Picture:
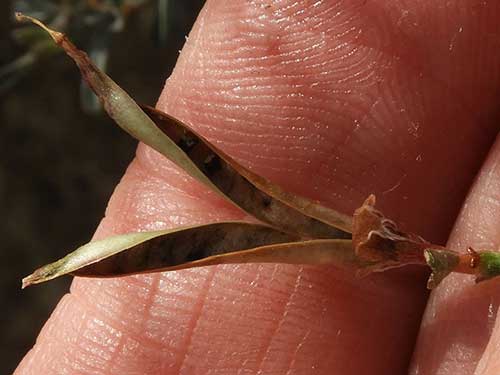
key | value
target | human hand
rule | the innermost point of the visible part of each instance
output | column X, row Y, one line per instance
column 334, row 101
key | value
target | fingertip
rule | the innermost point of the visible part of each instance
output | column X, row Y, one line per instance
column 457, row 331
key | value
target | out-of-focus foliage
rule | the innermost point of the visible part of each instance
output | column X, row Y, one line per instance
column 90, row 23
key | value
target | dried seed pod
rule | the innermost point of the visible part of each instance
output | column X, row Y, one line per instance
column 298, row 230
column 255, row 194
column 249, row 191
column 218, row 243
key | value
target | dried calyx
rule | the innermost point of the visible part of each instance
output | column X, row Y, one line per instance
column 294, row 229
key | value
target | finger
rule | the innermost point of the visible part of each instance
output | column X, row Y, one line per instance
column 458, row 333
column 333, row 101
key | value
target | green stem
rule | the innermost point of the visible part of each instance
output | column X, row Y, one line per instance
column 484, row 265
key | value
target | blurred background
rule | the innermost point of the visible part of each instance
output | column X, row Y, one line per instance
column 61, row 156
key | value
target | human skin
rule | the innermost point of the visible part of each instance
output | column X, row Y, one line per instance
column 333, row 100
